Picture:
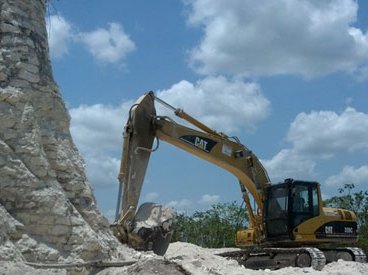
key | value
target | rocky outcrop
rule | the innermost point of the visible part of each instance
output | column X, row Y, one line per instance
column 47, row 210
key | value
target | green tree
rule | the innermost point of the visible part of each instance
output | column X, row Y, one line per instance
column 215, row 227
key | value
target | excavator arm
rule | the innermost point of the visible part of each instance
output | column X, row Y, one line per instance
column 150, row 226
column 154, row 222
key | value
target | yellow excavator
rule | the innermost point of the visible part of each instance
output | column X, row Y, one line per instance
column 288, row 225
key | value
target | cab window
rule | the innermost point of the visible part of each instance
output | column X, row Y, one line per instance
column 300, row 199
column 315, row 201
column 304, row 203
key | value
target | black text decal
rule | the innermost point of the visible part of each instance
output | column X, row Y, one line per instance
column 202, row 143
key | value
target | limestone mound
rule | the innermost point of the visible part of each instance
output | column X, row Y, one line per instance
column 47, row 210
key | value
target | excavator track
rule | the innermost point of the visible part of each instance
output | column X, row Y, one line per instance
column 345, row 253
column 359, row 255
column 275, row 258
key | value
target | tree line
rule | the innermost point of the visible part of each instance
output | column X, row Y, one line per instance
column 212, row 228
column 217, row 226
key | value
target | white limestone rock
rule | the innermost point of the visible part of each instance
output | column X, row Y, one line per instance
column 47, row 210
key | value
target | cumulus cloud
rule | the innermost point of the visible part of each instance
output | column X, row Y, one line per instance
column 181, row 205
column 60, row 34
column 318, row 135
column 225, row 105
column 106, row 45
column 98, row 128
column 97, row 132
column 209, row 199
column 348, row 175
column 109, row 45
column 308, row 38
column 288, row 163
column 326, row 133
column 102, row 170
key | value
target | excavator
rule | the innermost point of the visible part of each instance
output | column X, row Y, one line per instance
column 288, row 225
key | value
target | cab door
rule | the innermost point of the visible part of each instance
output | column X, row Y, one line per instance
column 276, row 215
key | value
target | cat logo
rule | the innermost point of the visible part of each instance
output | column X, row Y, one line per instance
column 329, row 229
column 201, row 143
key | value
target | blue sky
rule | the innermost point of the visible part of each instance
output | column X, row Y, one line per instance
column 289, row 78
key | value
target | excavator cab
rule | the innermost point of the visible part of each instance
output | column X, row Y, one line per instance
column 294, row 214
column 289, row 204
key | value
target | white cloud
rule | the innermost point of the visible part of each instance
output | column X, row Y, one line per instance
column 97, row 132
column 225, row 105
column 181, row 205
column 326, row 133
column 308, row 38
column 60, row 34
column 102, row 170
column 318, row 135
column 348, row 175
column 289, row 164
column 109, row 45
column 98, row 128
column 209, row 199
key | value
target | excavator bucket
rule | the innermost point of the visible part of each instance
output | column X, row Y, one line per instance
column 154, row 224
column 149, row 228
